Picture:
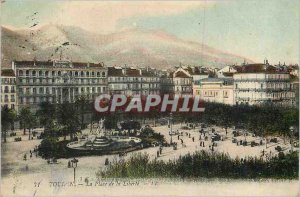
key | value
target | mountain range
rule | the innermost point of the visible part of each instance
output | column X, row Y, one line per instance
column 133, row 47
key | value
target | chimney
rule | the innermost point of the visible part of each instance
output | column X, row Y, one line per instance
column 13, row 67
column 267, row 62
column 124, row 70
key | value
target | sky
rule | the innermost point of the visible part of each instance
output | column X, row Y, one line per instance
column 254, row 29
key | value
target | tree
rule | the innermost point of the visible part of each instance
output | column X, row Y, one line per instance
column 8, row 116
column 68, row 118
column 24, row 117
column 81, row 104
column 31, row 123
column 46, row 115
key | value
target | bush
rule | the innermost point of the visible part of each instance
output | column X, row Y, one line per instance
column 205, row 164
column 148, row 136
column 50, row 147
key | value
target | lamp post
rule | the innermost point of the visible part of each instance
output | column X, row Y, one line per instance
column 74, row 166
column 292, row 130
column 170, row 122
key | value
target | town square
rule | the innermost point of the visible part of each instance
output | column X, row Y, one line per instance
column 150, row 98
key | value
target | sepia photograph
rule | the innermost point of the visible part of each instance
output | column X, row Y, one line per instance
column 150, row 98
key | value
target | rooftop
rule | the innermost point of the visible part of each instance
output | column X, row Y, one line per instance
column 260, row 68
column 53, row 63
column 7, row 73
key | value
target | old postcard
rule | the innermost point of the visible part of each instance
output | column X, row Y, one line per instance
column 150, row 98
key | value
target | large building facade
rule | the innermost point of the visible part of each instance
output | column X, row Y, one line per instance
column 8, row 89
column 259, row 84
column 58, row 81
column 133, row 81
column 182, row 81
column 218, row 90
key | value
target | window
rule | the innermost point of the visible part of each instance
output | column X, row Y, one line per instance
column 6, row 98
column 103, row 74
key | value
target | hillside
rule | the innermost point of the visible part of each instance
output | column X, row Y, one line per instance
column 133, row 47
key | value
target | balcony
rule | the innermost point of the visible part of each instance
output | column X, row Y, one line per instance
column 262, row 89
column 261, row 80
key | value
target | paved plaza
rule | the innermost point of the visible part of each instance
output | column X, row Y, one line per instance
column 19, row 174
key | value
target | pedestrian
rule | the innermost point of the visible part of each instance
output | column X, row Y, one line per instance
column 157, row 153
column 25, row 157
column 193, row 139
column 106, row 162
column 160, row 150
column 69, row 164
column 189, row 135
column 30, row 151
column 203, row 144
column 30, row 155
column 178, row 137
column 212, row 149
column 181, row 141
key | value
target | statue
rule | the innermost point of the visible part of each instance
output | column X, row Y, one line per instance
column 100, row 128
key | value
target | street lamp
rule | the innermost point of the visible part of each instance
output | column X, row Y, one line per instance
column 292, row 130
column 74, row 165
column 170, row 122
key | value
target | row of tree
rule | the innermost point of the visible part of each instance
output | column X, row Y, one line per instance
column 56, row 119
column 262, row 120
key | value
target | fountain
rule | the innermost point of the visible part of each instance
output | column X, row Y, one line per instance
column 100, row 143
